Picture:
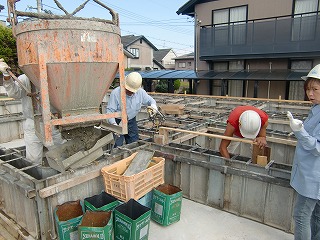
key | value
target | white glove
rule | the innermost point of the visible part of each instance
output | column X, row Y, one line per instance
column 152, row 110
column 295, row 124
column 154, row 107
column 116, row 124
column 4, row 67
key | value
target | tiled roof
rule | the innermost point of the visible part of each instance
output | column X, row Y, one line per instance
column 130, row 39
column 160, row 54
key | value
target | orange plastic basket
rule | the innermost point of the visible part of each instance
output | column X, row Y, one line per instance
column 136, row 186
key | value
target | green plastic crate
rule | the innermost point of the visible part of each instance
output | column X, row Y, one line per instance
column 131, row 221
column 97, row 225
column 166, row 204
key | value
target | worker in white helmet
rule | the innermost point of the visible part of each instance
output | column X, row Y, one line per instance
column 136, row 97
column 244, row 122
column 305, row 173
column 34, row 145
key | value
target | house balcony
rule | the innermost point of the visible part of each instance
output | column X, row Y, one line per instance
column 281, row 37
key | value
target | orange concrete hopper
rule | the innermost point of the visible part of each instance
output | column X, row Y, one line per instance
column 72, row 62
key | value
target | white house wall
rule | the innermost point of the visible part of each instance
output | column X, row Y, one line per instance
column 146, row 56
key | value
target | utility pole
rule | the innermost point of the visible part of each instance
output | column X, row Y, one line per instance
column 39, row 6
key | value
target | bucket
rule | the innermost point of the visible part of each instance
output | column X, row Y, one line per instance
column 131, row 221
column 68, row 216
column 96, row 225
column 166, row 204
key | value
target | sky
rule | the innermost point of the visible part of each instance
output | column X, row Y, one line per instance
column 156, row 20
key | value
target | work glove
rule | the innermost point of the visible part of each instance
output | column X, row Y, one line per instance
column 4, row 67
column 120, row 124
column 152, row 110
column 295, row 124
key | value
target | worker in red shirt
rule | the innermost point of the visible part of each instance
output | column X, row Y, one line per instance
column 244, row 122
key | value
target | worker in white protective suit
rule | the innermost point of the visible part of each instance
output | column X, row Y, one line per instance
column 136, row 97
column 34, row 145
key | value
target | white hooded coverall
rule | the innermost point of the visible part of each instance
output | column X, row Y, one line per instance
column 34, row 145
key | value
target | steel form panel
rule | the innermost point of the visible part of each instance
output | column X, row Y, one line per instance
column 236, row 186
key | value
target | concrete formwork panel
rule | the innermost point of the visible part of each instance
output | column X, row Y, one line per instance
column 216, row 190
column 11, row 128
column 29, row 193
column 199, row 184
column 279, row 207
column 236, row 186
column 10, row 107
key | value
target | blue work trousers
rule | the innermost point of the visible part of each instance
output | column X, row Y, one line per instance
column 307, row 218
column 132, row 136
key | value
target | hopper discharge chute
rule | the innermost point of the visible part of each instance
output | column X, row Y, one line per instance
column 71, row 62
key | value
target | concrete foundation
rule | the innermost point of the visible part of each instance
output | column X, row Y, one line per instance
column 233, row 190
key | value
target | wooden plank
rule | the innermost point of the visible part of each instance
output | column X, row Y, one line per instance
column 164, row 134
column 175, row 100
column 6, row 98
column 187, row 137
column 262, row 160
column 59, row 187
column 11, row 230
column 256, row 151
column 172, row 109
column 285, row 141
column 199, row 102
column 159, row 139
column 207, row 135
column 139, row 163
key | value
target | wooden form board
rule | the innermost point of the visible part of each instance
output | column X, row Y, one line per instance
column 256, row 151
column 172, row 109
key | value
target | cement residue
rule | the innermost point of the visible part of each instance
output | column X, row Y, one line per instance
column 69, row 210
column 96, row 219
column 83, row 139
column 168, row 189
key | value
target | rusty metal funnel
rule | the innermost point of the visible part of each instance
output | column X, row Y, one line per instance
column 79, row 59
column 75, row 88
column 72, row 62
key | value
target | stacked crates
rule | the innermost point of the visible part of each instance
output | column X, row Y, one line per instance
column 125, row 208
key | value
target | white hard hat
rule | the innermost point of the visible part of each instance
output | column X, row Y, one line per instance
column 133, row 82
column 314, row 73
column 249, row 124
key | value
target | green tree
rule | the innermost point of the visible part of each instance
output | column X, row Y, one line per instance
column 8, row 48
column 162, row 86
column 177, row 84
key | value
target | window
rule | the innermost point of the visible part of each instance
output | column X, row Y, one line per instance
column 305, row 18
column 301, row 64
column 189, row 64
column 182, row 65
column 230, row 23
column 135, row 52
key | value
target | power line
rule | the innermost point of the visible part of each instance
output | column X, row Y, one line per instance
column 167, row 24
column 173, row 25
column 188, row 48
column 143, row 19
